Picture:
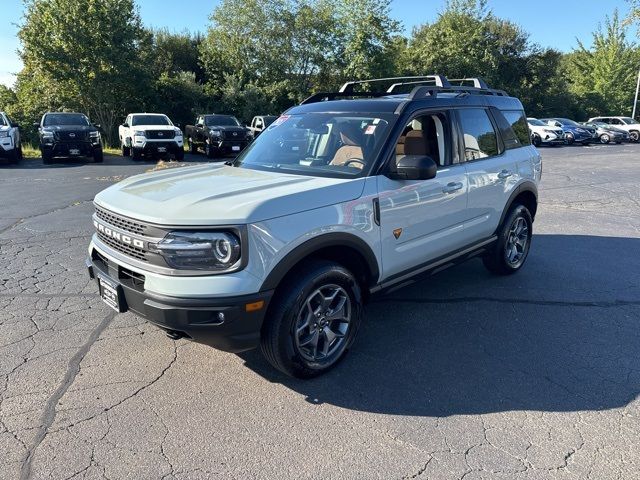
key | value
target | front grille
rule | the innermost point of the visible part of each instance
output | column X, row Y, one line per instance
column 129, row 250
column 121, row 222
column 72, row 136
column 231, row 136
column 160, row 134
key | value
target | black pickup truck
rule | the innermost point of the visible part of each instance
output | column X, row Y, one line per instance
column 217, row 135
column 63, row 134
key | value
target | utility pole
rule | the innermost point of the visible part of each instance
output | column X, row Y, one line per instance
column 635, row 103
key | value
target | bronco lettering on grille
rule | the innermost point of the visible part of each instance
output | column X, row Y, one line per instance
column 120, row 237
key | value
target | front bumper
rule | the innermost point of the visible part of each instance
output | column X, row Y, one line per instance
column 64, row 149
column 6, row 145
column 230, row 146
column 198, row 319
column 155, row 147
column 579, row 137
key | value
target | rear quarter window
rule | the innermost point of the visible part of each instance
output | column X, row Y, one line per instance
column 518, row 126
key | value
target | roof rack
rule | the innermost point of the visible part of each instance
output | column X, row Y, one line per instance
column 434, row 84
column 439, row 80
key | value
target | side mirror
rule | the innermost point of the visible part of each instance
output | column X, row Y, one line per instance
column 415, row 167
column 16, row 125
column 124, row 125
column 97, row 125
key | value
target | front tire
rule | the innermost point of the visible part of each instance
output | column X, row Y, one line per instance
column 13, row 156
column 179, row 154
column 193, row 148
column 313, row 320
column 209, row 151
column 511, row 250
column 537, row 140
column 570, row 139
column 634, row 136
column 98, row 156
column 47, row 157
column 604, row 138
column 126, row 151
column 136, row 153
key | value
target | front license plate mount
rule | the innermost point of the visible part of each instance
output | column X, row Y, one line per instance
column 111, row 294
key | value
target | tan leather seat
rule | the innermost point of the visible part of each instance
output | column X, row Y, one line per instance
column 350, row 136
column 416, row 143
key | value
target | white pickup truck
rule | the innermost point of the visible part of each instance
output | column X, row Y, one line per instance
column 10, row 145
column 151, row 135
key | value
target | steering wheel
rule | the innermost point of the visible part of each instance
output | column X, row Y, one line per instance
column 354, row 160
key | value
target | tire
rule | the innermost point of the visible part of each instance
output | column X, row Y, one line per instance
column 98, row 156
column 634, row 136
column 209, row 151
column 47, row 158
column 537, row 141
column 136, row 153
column 126, row 151
column 180, row 154
column 570, row 139
column 291, row 333
column 13, row 156
column 604, row 138
column 499, row 259
column 20, row 154
column 193, row 148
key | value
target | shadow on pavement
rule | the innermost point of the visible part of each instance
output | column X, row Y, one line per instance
column 562, row 335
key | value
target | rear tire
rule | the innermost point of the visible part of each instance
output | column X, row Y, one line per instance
column 313, row 319
column 510, row 252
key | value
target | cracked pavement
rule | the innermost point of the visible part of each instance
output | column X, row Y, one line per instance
column 462, row 375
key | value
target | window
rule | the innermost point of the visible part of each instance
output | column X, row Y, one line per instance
column 333, row 145
column 480, row 139
column 518, row 127
column 424, row 136
column 150, row 120
column 221, row 121
column 200, row 121
column 2, row 122
column 54, row 119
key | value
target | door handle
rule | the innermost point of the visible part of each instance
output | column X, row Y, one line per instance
column 452, row 187
column 505, row 174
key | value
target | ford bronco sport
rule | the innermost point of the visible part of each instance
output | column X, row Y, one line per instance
column 349, row 194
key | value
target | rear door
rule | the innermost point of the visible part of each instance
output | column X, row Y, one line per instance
column 491, row 168
column 421, row 220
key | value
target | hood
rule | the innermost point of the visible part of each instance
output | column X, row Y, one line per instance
column 222, row 195
column 71, row 128
column 228, row 128
column 164, row 128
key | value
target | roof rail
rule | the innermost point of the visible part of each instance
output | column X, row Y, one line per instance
column 421, row 92
column 326, row 96
column 439, row 80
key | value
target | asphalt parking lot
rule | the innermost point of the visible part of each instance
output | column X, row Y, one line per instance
column 464, row 375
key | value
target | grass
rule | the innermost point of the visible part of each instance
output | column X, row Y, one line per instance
column 30, row 152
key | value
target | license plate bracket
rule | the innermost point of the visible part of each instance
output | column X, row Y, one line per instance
column 74, row 151
column 112, row 294
column 235, row 148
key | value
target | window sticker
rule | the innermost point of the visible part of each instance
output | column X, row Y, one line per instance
column 370, row 130
column 279, row 121
column 376, row 121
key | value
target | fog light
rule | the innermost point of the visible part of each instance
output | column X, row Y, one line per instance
column 255, row 306
column 220, row 317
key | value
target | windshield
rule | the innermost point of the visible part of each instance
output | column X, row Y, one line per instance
column 53, row 119
column 2, row 122
column 318, row 144
column 268, row 120
column 537, row 123
column 150, row 120
column 221, row 121
column 630, row 121
column 566, row 121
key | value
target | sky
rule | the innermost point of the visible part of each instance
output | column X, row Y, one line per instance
column 549, row 23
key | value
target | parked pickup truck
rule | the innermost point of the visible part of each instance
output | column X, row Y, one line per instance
column 217, row 135
column 150, row 134
column 67, row 134
column 10, row 145
column 259, row 123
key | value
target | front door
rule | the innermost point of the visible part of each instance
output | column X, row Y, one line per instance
column 421, row 220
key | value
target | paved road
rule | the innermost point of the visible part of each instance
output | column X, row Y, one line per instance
column 465, row 375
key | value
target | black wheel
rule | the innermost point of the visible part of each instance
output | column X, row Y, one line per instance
column 537, row 141
column 510, row 252
column 136, row 153
column 634, row 136
column 126, row 151
column 605, row 138
column 20, row 153
column 313, row 320
column 570, row 139
column 209, row 151
column 13, row 156
column 47, row 158
column 193, row 148
column 180, row 154
column 98, row 156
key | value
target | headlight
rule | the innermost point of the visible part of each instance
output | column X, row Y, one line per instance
column 215, row 251
column 178, row 132
column 549, row 131
column 580, row 130
column 139, row 133
column 4, row 134
column 216, row 133
column 47, row 134
column 94, row 134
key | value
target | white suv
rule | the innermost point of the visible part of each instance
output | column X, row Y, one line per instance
column 347, row 195
column 623, row 123
column 10, row 144
column 150, row 134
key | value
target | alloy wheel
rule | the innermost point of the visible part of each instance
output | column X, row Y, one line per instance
column 322, row 325
column 517, row 242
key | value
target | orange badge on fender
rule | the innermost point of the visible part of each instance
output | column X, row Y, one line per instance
column 397, row 232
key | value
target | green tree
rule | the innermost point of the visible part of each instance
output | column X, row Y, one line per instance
column 175, row 53
column 7, row 98
column 179, row 96
column 603, row 76
column 88, row 55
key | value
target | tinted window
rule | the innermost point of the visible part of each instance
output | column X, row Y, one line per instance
column 480, row 140
column 268, row 120
column 2, row 122
column 52, row 119
column 149, row 120
column 519, row 126
column 536, row 123
column 221, row 121
column 630, row 121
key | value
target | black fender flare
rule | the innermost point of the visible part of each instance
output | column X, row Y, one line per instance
column 527, row 186
column 308, row 248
